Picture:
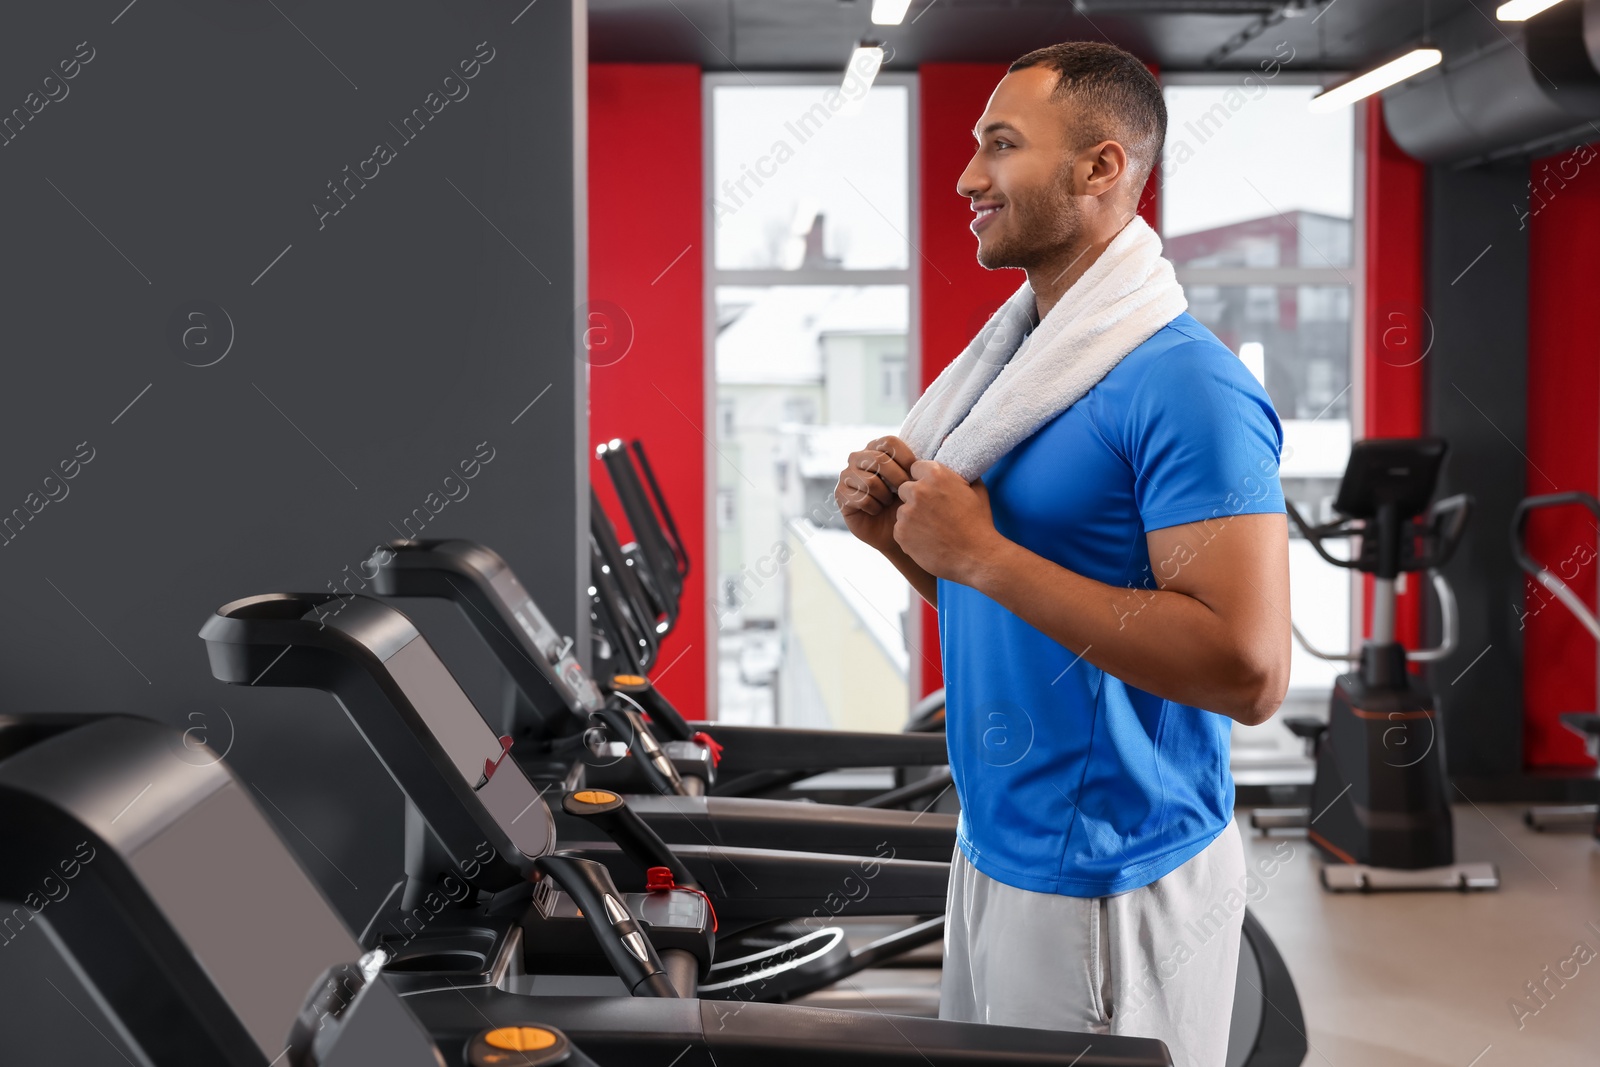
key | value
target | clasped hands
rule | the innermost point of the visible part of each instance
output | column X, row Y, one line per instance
column 896, row 502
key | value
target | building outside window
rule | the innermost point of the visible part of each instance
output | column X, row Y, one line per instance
column 810, row 225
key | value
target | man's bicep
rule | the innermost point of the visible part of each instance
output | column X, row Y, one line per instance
column 1238, row 566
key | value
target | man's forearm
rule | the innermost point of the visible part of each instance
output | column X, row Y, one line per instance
column 1160, row 641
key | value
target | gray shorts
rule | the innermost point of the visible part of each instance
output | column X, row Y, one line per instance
column 1159, row 961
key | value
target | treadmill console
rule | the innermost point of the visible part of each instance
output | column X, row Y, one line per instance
column 554, row 653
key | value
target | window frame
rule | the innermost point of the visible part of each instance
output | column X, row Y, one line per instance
column 715, row 277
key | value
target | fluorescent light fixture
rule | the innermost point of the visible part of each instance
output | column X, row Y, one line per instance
column 858, row 75
column 1375, row 81
column 1515, row 11
column 1253, row 354
column 889, row 12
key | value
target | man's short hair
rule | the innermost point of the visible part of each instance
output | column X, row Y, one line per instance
column 1120, row 99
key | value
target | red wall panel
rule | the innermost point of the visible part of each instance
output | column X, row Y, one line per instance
column 1398, row 332
column 646, row 343
column 1558, row 655
column 958, row 295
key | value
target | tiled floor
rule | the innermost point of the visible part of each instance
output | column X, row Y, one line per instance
column 1424, row 979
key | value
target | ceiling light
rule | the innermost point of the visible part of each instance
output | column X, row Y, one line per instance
column 1522, row 10
column 1376, row 80
column 889, row 12
column 858, row 75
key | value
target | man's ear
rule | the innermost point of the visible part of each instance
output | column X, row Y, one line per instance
column 1109, row 169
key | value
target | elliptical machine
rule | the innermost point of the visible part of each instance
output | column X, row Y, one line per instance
column 1586, row 724
column 1380, row 804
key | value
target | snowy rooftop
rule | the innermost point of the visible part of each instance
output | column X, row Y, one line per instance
column 865, row 581
column 775, row 339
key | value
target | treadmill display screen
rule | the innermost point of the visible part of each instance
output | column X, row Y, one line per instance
column 252, row 918
column 453, row 720
column 528, row 615
column 556, row 662
column 445, row 710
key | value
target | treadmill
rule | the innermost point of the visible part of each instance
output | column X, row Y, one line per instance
column 377, row 666
column 652, row 750
column 478, row 829
column 474, row 957
column 168, row 869
column 752, row 758
column 182, row 868
column 636, row 591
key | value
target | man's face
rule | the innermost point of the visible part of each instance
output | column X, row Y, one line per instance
column 1021, row 168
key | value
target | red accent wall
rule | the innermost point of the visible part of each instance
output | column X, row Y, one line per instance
column 958, row 295
column 646, row 354
column 1558, row 657
column 1398, row 332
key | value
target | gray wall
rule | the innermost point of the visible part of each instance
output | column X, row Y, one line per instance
column 1477, row 378
column 372, row 351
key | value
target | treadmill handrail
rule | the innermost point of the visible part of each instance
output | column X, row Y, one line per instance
column 674, row 538
column 654, row 548
column 1542, row 574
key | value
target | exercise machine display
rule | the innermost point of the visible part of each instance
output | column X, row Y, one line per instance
column 1586, row 724
column 1380, row 805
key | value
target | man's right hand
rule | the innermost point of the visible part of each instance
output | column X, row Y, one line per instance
column 868, row 488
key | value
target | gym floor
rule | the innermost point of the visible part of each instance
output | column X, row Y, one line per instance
column 1426, row 979
column 1407, row 979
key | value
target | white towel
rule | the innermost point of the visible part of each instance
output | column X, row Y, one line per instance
column 1008, row 383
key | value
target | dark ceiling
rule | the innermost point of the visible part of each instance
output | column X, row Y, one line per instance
column 1179, row 35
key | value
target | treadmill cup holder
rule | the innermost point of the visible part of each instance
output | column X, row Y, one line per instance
column 475, row 955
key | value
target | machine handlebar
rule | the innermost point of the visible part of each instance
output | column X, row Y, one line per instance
column 622, row 938
column 1440, row 529
column 1542, row 574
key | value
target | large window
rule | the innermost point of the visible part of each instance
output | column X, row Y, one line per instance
column 809, row 255
column 1258, row 206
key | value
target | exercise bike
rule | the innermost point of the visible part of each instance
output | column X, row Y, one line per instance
column 1380, row 804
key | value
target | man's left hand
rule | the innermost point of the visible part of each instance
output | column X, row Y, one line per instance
column 945, row 524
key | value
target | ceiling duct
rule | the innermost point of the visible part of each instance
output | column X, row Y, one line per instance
column 1179, row 7
column 1507, row 99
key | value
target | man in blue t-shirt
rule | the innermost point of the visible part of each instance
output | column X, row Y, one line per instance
column 1112, row 595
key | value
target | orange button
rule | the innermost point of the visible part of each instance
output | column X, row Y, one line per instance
column 628, row 679
column 594, row 796
column 520, row 1038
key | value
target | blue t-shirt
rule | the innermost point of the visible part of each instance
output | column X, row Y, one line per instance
column 1072, row 781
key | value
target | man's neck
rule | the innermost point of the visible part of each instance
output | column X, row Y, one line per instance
column 1051, row 280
